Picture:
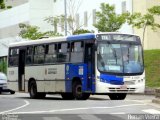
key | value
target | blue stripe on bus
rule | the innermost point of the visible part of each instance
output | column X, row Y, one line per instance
column 75, row 70
column 111, row 79
column 87, row 36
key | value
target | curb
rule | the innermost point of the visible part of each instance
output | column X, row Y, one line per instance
column 149, row 91
column 157, row 96
column 156, row 100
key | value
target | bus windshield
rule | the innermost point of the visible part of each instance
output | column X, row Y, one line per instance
column 119, row 58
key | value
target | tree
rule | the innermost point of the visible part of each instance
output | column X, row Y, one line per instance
column 30, row 32
column 81, row 31
column 33, row 33
column 73, row 22
column 155, row 10
column 3, row 5
column 53, row 21
column 139, row 21
column 108, row 20
column 52, row 34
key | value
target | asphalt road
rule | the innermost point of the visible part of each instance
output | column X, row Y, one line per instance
column 21, row 107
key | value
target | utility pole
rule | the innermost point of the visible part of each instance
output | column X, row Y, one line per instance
column 65, row 16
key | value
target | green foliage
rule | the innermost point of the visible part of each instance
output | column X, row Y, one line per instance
column 155, row 10
column 3, row 66
column 108, row 20
column 33, row 33
column 59, row 21
column 138, row 20
column 3, row 6
column 53, row 21
column 1, row 1
column 52, row 34
column 30, row 32
column 81, row 31
column 152, row 67
column 9, row 7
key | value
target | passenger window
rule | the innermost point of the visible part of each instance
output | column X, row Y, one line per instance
column 39, row 54
column 63, row 52
column 51, row 53
column 29, row 55
column 13, row 57
column 77, row 52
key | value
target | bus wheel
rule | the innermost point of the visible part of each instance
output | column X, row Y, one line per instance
column 67, row 96
column 77, row 92
column 41, row 95
column 117, row 96
column 33, row 90
column 12, row 92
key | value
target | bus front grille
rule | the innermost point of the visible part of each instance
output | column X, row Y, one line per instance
column 122, row 90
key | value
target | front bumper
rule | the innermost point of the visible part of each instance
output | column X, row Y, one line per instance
column 5, row 89
column 108, row 88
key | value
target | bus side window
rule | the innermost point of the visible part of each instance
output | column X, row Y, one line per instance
column 39, row 54
column 51, row 53
column 13, row 57
column 77, row 52
column 63, row 52
column 29, row 55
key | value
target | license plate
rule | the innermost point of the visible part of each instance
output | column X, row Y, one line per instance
column 123, row 87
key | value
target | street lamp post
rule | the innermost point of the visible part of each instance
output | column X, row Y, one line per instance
column 65, row 16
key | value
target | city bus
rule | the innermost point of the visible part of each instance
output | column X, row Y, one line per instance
column 78, row 66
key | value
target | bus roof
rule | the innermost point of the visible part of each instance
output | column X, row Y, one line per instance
column 87, row 36
column 39, row 41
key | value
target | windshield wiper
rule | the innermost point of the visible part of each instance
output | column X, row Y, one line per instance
column 128, row 55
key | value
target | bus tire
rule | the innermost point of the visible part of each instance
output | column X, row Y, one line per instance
column 67, row 96
column 77, row 92
column 117, row 96
column 12, row 92
column 41, row 95
column 33, row 90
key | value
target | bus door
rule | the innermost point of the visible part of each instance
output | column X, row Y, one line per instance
column 21, row 69
column 89, row 60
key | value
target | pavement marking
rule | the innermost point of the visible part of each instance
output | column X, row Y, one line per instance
column 26, row 104
column 51, row 118
column 73, row 109
column 140, row 101
column 151, row 111
column 89, row 117
column 120, row 113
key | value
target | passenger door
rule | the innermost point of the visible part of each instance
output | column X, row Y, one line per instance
column 21, row 70
column 89, row 60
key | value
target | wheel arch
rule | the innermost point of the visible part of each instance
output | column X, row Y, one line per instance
column 76, row 79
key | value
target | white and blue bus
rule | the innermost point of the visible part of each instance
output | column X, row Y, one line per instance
column 77, row 66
